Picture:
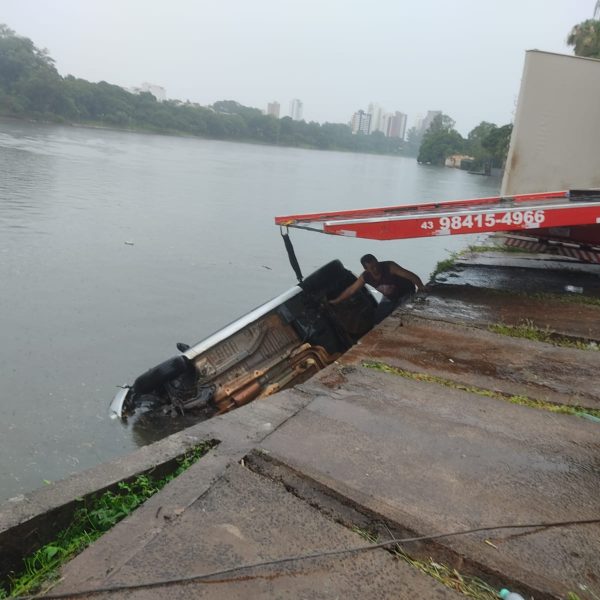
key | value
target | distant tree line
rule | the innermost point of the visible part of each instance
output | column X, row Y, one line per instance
column 31, row 87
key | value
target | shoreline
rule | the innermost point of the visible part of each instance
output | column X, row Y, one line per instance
column 181, row 134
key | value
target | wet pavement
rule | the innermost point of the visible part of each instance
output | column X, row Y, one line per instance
column 244, row 518
column 483, row 359
column 434, row 459
column 360, row 447
column 523, row 273
column 481, row 307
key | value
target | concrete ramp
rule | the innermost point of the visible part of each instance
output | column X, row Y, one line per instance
column 431, row 459
column 480, row 358
column 244, row 518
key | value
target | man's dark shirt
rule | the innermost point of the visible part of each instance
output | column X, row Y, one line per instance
column 392, row 286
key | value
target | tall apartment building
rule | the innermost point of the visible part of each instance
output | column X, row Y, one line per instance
column 273, row 109
column 377, row 116
column 361, row 122
column 296, row 109
column 394, row 125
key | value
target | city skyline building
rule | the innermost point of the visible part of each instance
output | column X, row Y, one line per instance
column 377, row 115
column 429, row 117
column 273, row 109
column 361, row 122
column 394, row 125
column 296, row 109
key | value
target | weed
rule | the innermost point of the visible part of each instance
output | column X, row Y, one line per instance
column 372, row 538
column 448, row 263
column 529, row 331
column 549, row 297
column 89, row 522
column 514, row 399
column 444, row 265
column 472, row 587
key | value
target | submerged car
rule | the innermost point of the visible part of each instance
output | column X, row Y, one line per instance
column 277, row 345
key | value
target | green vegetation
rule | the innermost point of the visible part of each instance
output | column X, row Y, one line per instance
column 90, row 521
column 487, row 144
column 585, row 38
column 564, row 298
column 440, row 141
column 444, row 265
column 585, row 588
column 549, row 297
column 522, row 400
column 472, row 587
column 448, row 263
column 527, row 330
column 31, row 87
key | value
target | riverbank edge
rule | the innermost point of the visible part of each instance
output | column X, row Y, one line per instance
column 29, row 521
column 181, row 134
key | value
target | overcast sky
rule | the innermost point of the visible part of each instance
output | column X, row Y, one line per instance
column 464, row 57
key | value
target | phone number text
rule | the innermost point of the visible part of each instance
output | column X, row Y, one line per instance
column 518, row 218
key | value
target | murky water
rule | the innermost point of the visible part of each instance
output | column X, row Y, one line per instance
column 114, row 246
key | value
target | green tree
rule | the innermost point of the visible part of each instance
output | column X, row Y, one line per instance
column 19, row 58
column 414, row 137
column 440, row 141
column 585, row 38
column 488, row 144
column 496, row 143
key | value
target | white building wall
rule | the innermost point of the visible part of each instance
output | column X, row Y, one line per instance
column 296, row 109
column 377, row 117
column 555, row 143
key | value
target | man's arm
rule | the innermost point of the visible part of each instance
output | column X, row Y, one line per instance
column 349, row 291
column 396, row 269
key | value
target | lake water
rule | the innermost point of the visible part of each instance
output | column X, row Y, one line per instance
column 114, row 246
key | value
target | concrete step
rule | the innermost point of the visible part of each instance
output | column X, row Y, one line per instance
column 482, row 307
column 483, row 359
column 530, row 276
column 243, row 518
column 432, row 459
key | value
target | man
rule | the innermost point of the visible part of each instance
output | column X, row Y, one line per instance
column 394, row 282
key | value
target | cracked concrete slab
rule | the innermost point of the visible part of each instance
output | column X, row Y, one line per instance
column 243, row 518
column 434, row 459
column 482, row 307
column 480, row 358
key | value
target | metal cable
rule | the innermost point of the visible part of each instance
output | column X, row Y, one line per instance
column 211, row 577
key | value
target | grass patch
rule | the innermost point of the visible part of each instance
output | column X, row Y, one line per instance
column 468, row 585
column 550, row 297
column 565, row 298
column 444, row 265
column 527, row 330
column 472, row 587
column 522, row 400
column 448, row 263
column 90, row 521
